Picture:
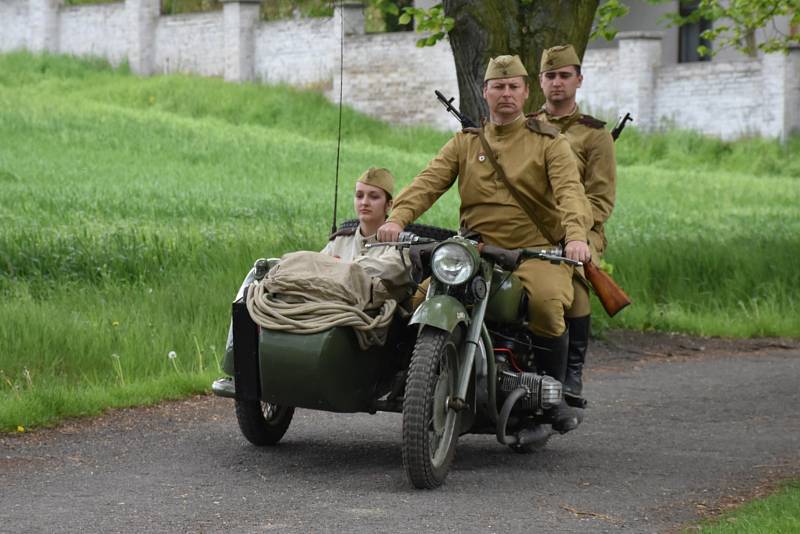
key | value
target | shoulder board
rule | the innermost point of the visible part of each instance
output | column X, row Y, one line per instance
column 541, row 128
column 591, row 122
column 343, row 231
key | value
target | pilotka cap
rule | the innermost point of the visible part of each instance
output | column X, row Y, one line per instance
column 557, row 57
column 504, row 67
column 378, row 177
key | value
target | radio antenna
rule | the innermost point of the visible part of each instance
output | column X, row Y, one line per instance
column 339, row 133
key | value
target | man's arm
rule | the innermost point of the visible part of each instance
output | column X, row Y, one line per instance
column 600, row 178
column 427, row 186
column 562, row 172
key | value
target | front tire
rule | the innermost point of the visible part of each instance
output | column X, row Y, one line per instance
column 263, row 423
column 429, row 427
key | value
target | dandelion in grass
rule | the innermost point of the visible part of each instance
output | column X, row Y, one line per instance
column 28, row 378
column 20, row 428
column 173, row 359
column 117, row 364
column 115, row 323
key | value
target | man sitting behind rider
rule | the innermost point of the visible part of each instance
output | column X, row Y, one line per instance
column 372, row 202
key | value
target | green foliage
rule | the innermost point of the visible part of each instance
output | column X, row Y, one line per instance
column 608, row 11
column 777, row 514
column 132, row 207
column 736, row 21
column 432, row 21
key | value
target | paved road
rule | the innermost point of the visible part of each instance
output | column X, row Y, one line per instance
column 663, row 441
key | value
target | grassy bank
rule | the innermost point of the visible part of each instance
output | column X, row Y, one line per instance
column 777, row 514
column 132, row 207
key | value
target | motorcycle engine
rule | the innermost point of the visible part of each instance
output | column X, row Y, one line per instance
column 543, row 391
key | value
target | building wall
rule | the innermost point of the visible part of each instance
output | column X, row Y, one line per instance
column 94, row 31
column 14, row 24
column 388, row 76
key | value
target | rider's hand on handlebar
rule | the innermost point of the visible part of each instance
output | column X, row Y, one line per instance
column 389, row 232
column 578, row 251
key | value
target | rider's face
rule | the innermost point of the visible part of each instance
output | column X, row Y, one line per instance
column 505, row 97
column 371, row 205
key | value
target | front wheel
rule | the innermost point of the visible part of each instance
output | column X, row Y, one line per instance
column 429, row 427
column 263, row 423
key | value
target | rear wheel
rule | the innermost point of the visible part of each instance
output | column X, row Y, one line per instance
column 429, row 427
column 263, row 423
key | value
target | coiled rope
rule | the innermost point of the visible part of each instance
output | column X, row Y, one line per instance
column 315, row 315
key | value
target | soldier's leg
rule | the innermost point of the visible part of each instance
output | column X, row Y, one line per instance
column 579, row 324
column 550, row 292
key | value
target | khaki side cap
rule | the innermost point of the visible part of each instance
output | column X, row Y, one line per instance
column 504, row 67
column 557, row 57
column 378, row 177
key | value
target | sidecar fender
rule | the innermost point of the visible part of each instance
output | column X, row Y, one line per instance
column 441, row 311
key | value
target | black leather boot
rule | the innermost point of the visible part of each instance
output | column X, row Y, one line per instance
column 579, row 329
column 551, row 359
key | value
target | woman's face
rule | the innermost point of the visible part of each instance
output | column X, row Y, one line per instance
column 371, row 205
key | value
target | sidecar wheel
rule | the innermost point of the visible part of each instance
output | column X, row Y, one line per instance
column 429, row 427
column 263, row 423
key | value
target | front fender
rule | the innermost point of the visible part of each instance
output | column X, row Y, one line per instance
column 441, row 311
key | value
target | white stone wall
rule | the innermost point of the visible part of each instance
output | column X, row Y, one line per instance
column 190, row 44
column 388, row 76
column 717, row 98
column 599, row 93
column 94, row 30
column 13, row 24
column 301, row 52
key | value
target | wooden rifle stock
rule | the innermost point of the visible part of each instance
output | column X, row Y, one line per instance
column 611, row 296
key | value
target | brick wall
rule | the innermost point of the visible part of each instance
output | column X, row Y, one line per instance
column 301, row 52
column 106, row 22
column 14, row 24
column 387, row 76
column 191, row 43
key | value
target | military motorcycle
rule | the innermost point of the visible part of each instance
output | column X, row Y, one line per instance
column 463, row 362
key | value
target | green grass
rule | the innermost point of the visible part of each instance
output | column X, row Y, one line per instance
column 777, row 514
column 132, row 207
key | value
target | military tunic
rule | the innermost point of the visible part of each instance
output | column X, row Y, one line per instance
column 542, row 168
column 384, row 263
column 593, row 147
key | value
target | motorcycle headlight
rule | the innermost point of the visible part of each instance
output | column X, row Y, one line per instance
column 452, row 264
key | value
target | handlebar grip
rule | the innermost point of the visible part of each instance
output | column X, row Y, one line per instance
column 507, row 259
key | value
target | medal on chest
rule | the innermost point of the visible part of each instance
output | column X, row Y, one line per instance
column 481, row 157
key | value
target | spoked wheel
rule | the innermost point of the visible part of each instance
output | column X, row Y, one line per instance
column 429, row 427
column 263, row 423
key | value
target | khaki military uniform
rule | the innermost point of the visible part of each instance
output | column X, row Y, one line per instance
column 542, row 168
column 384, row 263
column 593, row 147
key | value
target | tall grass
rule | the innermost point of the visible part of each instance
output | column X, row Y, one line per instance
column 131, row 208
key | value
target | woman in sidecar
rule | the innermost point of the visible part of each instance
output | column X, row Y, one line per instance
column 352, row 369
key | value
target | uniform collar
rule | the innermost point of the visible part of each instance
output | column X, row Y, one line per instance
column 507, row 128
column 559, row 118
column 373, row 238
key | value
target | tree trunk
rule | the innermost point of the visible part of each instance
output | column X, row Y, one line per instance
column 488, row 28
